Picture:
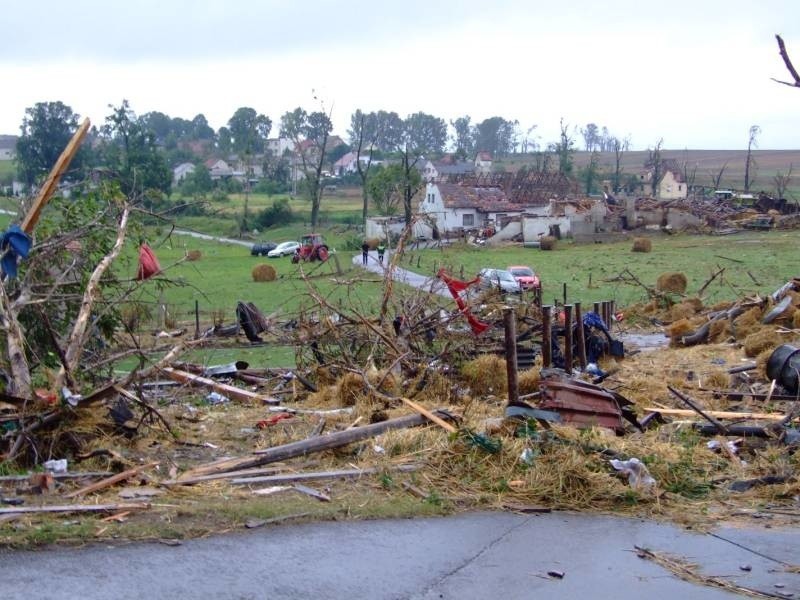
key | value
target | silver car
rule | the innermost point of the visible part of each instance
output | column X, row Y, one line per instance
column 499, row 279
column 284, row 249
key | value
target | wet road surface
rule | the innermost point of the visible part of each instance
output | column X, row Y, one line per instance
column 475, row 555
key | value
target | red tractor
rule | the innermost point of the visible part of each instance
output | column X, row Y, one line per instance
column 312, row 247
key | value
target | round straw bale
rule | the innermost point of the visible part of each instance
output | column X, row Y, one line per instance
column 264, row 272
column 193, row 255
column 747, row 323
column 373, row 243
column 486, row 374
column 718, row 330
column 672, row 282
column 679, row 328
column 529, row 381
column 796, row 320
column 717, row 380
column 350, row 388
column 756, row 343
column 676, row 312
column 641, row 244
column 547, row 242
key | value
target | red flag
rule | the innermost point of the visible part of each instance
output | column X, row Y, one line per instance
column 148, row 263
column 456, row 286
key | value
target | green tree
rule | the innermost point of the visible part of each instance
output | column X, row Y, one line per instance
column 590, row 172
column 387, row 187
column 201, row 130
column 496, row 135
column 249, row 131
column 425, row 133
column 45, row 131
column 564, row 150
column 131, row 152
column 463, row 140
column 224, row 141
column 309, row 132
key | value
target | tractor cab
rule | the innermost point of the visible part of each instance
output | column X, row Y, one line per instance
column 312, row 247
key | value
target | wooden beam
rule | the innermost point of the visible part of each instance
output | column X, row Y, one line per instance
column 424, row 411
column 223, row 388
column 16, row 510
column 114, row 479
column 49, row 186
column 340, row 474
column 717, row 414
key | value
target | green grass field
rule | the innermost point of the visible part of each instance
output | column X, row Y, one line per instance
column 769, row 256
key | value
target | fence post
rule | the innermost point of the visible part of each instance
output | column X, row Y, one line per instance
column 510, row 322
column 568, row 338
column 580, row 338
column 547, row 332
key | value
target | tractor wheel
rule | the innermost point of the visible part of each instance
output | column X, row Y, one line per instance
column 296, row 258
column 322, row 253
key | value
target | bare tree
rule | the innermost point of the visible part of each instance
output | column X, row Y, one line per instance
column 656, row 165
column 781, row 181
column 750, row 163
column 689, row 172
column 789, row 66
column 619, row 147
column 716, row 176
column 361, row 132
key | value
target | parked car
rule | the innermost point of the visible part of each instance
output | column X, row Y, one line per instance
column 284, row 249
column 527, row 279
column 498, row 278
column 262, row 248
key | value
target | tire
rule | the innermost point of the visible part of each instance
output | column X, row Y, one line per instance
column 322, row 253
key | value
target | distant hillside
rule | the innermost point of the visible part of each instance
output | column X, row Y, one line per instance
column 708, row 162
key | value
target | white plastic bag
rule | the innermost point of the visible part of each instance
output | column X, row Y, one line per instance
column 639, row 477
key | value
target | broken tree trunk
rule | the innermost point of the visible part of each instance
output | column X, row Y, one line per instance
column 77, row 339
column 304, row 447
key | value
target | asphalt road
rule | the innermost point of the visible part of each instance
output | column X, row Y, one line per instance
column 475, row 555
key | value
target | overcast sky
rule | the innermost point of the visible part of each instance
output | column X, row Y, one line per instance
column 695, row 73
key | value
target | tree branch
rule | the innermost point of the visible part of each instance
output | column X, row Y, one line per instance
column 787, row 61
column 78, row 337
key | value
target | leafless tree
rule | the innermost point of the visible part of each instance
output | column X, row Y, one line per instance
column 781, row 181
column 716, row 176
column 618, row 146
column 689, row 172
column 789, row 66
column 750, row 163
column 655, row 164
column 363, row 171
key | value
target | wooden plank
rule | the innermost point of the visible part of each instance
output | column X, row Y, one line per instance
column 49, row 186
column 338, row 474
column 316, row 494
column 114, row 479
column 183, row 480
column 424, row 411
column 18, row 510
column 303, row 447
column 718, row 414
column 223, row 388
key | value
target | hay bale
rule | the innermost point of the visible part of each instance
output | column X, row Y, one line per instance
column 486, row 375
column 796, row 320
column 725, row 305
column 677, row 312
column 193, row 255
column 672, row 282
column 529, row 381
column 758, row 342
column 718, row 331
column 350, row 389
column 547, row 242
column 679, row 328
column 642, row 245
column 747, row 323
column 717, row 380
column 264, row 272
column 373, row 243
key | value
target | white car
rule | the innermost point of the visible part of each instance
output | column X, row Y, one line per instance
column 498, row 278
column 284, row 249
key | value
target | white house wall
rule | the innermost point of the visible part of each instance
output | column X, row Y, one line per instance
column 535, row 227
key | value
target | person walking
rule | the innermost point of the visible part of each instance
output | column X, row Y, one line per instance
column 381, row 252
column 364, row 252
